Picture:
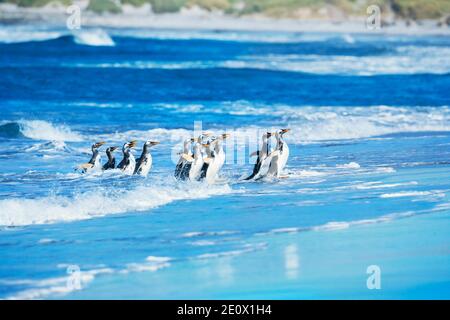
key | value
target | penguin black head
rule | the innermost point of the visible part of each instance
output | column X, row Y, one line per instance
column 111, row 149
column 97, row 145
column 129, row 145
column 149, row 144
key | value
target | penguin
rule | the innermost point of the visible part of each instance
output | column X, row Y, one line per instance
column 128, row 162
column 197, row 162
column 93, row 164
column 208, row 157
column 111, row 164
column 217, row 160
column 144, row 162
column 280, row 155
column 186, row 153
column 261, row 155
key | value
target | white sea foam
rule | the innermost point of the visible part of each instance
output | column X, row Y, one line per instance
column 403, row 60
column 151, row 264
column 207, row 233
column 88, row 37
column 402, row 194
column 373, row 185
column 245, row 249
column 17, row 212
column 311, row 123
column 340, row 225
column 22, row 34
column 53, row 286
column 308, row 124
column 235, row 36
column 57, row 287
column 350, row 165
column 44, row 130
column 167, row 135
column 51, row 146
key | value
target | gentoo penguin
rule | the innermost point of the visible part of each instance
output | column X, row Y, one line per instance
column 94, row 163
column 261, row 155
column 280, row 156
column 111, row 164
column 217, row 161
column 208, row 157
column 186, row 153
column 194, row 163
column 197, row 162
column 144, row 162
column 128, row 162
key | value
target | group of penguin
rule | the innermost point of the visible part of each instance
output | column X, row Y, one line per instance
column 128, row 165
column 202, row 158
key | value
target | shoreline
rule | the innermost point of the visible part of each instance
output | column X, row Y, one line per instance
column 12, row 16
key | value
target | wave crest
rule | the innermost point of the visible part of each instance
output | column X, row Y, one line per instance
column 40, row 130
column 93, row 38
column 20, row 212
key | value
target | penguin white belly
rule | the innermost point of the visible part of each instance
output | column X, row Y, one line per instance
column 97, row 165
column 196, row 168
column 265, row 167
column 283, row 158
column 278, row 162
column 129, row 169
column 145, row 166
column 215, row 166
column 212, row 171
column 274, row 167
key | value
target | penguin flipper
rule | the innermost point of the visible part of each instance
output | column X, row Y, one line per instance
column 256, row 169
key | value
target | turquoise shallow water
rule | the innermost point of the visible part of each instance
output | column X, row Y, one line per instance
column 367, row 178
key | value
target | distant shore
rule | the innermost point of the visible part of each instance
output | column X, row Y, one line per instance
column 197, row 19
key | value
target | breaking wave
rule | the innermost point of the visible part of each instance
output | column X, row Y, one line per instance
column 93, row 38
column 20, row 212
column 38, row 130
column 88, row 37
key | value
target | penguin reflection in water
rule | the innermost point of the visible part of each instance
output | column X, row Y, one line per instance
column 94, row 164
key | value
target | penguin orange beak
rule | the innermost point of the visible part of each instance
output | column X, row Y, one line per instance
column 98, row 144
column 283, row 131
column 114, row 148
column 132, row 144
column 154, row 143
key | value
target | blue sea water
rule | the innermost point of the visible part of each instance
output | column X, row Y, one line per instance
column 367, row 178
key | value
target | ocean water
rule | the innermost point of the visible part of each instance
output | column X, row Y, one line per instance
column 367, row 179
